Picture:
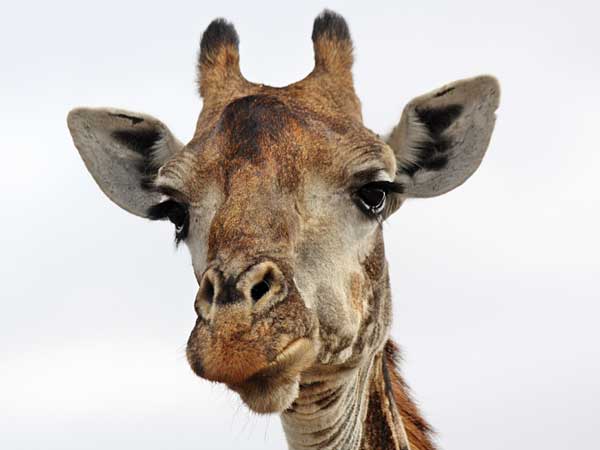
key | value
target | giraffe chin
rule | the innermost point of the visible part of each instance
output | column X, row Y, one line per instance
column 273, row 389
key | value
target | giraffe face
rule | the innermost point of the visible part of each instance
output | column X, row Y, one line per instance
column 282, row 208
column 279, row 197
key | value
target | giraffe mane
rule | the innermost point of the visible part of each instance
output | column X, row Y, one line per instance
column 419, row 432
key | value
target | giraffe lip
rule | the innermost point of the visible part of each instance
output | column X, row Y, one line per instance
column 274, row 388
column 294, row 358
column 291, row 352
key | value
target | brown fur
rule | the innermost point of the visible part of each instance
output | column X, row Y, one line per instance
column 270, row 188
column 389, row 405
column 418, row 430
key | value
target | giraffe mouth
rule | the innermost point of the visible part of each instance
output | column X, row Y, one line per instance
column 295, row 355
column 275, row 387
column 259, row 356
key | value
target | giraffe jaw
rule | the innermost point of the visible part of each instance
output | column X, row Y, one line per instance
column 274, row 388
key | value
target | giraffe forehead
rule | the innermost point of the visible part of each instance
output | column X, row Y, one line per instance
column 274, row 141
column 260, row 138
column 251, row 125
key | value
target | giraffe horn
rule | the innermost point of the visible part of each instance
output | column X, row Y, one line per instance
column 219, row 60
column 332, row 44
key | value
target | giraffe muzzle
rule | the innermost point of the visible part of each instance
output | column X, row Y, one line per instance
column 246, row 322
column 256, row 289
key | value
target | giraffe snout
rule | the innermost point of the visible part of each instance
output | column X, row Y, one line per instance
column 257, row 288
column 252, row 322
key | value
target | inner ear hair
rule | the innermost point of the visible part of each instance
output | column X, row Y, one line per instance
column 146, row 143
column 442, row 136
column 429, row 150
column 123, row 152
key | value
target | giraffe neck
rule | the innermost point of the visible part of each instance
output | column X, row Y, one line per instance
column 352, row 409
column 365, row 404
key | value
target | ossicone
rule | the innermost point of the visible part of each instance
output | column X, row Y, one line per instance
column 219, row 60
column 332, row 44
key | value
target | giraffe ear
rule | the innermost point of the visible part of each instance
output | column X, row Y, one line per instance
column 442, row 136
column 123, row 151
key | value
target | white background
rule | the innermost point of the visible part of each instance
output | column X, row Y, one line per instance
column 496, row 295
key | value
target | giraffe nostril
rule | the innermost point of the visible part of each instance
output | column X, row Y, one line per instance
column 207, row 289
column 211, row 285
column 259, row 290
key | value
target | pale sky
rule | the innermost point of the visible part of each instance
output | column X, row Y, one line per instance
column 495, row 285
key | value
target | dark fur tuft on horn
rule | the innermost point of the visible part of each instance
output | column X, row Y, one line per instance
column 219, row 60
column 219, row 34
column 330, row 25
column 332, row 43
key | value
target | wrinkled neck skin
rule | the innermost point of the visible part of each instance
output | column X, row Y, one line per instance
column 350, row 406
column 349, row 410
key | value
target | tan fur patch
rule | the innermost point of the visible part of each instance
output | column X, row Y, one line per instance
column 274, row 198
column 357, row 296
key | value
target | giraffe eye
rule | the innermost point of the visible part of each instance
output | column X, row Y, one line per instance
column 176, row 212
column 178, row 216
column 371, row 198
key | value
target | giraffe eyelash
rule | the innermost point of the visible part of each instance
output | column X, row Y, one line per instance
column 372, row 197
column 176, row 212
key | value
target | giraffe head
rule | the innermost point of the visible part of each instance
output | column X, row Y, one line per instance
column 279, row 197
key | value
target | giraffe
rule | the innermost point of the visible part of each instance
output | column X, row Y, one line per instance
column 280, row 197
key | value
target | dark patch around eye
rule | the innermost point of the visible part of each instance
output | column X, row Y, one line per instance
column 178, row 216
column 159, row 211
column 176, row 212
column 372, row 198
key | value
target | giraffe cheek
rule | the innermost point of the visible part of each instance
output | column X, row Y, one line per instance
column 338, row 325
